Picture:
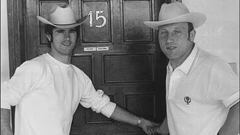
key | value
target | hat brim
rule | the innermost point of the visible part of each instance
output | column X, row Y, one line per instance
column 63, row 26
column 197, row 19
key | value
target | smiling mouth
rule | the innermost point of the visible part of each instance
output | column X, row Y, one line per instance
column 66, row 43
column 171, row 48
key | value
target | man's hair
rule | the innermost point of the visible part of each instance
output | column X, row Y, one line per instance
column 190, row 27
column 49, row 31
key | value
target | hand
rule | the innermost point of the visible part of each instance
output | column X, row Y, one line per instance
column 157, row 130
column 153, row 130
column 146, row 125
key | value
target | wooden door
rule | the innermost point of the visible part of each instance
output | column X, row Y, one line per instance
column 117, row 51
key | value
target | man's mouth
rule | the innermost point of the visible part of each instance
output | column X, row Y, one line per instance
column 67, row 43
column 171, row 48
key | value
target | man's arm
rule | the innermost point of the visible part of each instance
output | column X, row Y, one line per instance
column 5, row 122
column 231, row 125
column 122, row 115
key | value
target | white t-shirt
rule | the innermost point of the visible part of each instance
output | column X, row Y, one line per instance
column 46, row 94
column 199, row 94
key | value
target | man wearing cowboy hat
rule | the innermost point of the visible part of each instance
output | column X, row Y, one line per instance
column 202, row 91
column 48, row 89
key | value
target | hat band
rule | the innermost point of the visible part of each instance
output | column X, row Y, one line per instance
column 64, row 24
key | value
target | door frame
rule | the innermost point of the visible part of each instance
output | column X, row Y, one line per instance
column 16, row 31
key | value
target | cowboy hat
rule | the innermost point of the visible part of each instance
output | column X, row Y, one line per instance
column 62, row 17
column 174, row 13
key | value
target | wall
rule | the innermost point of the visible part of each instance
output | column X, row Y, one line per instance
column 220, row 33
column 4, row 42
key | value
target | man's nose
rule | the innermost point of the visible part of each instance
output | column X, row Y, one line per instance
column 170, row 37
column 66, row 35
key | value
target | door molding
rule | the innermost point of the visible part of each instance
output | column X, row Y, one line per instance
column 16, row 38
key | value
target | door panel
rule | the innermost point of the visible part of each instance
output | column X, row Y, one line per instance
column 84, row 63
column 118, row 52
column 128, row 68
column 99, row 27
column 134, row 13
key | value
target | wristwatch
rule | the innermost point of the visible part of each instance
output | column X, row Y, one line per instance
column 139, row 121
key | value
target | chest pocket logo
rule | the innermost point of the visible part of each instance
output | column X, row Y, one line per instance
column 187, row 100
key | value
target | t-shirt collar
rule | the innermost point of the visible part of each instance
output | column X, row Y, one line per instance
column 56, row 61
column 186, row 65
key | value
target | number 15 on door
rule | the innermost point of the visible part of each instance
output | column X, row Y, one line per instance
column 98, row 17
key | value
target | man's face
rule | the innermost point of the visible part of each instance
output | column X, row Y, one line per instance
column 64, row 40
column 175, row 41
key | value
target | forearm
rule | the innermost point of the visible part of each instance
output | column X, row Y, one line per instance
column 231, row 125
column 122, row 115
column 5, row 122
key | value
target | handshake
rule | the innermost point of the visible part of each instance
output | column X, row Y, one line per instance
column 152, row 128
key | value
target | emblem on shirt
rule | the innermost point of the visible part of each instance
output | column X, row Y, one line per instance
column 187, row 100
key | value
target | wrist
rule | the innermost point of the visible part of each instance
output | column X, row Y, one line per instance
column 139, row 122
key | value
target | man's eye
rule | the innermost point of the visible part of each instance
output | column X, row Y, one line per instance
column 163, row 33
column 73, row 31
column 177, row 31
column 59, row 31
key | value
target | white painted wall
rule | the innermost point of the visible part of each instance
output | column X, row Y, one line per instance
column 4, row 42
column 220, row 33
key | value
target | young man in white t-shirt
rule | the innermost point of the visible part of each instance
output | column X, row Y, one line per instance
column 48, row 89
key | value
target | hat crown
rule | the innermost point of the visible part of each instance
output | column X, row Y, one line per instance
column 176, row 12
column 62, row 15
column 172, row 10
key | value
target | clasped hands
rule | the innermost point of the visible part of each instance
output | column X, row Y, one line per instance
column 151, row 128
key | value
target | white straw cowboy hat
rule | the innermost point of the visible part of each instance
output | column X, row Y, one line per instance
column 174, row 13
column 62, row 17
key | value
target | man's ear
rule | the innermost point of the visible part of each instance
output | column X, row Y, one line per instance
column 49, row 37
column 192, row 35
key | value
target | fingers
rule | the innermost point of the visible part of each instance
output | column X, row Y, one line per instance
column 149, row 127
column 153, row 130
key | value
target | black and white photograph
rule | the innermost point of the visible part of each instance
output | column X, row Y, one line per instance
column 119, row 67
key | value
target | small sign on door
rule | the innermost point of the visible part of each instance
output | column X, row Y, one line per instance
column 90, row 49
column 104, row 48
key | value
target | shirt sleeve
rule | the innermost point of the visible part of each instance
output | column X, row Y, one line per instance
column 96, row 100
column 224, row 84
column 20, row 83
